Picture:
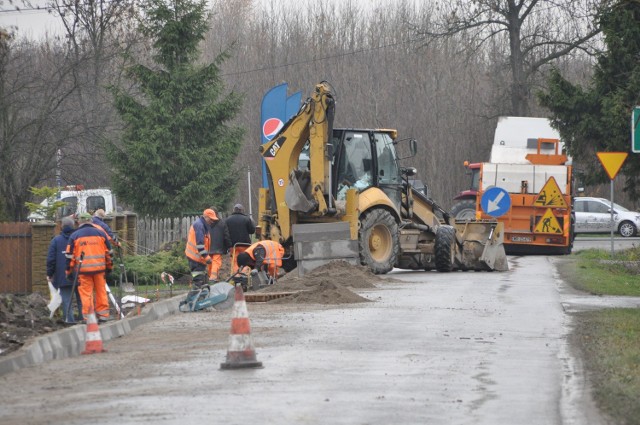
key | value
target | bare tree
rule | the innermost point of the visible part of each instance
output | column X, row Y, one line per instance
column 98, row 32
column 37, row 117
column 532, row 34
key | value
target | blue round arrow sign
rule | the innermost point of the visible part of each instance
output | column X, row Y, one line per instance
column 495, row 201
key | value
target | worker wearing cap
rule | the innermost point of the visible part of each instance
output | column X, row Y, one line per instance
column 198, row 243
column 98, row 220
column 89, row 253
column 241, row 227
column 263, row 255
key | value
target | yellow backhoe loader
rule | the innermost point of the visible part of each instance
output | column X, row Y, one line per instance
column 341, row 194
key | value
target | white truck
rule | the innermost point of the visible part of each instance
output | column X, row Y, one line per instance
column 80, row 200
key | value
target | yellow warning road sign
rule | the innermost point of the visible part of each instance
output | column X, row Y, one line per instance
column 612, row 162
column 548, row 224
column 550, row 195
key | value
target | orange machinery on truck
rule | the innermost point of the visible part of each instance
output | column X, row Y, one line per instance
column 528, row 164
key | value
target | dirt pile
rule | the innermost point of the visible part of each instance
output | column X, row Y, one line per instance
column 23, row 317
column 328, row 284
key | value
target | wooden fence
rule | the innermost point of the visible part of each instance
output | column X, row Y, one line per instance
column 155, row 232
column 24, row 247
column 15, row 257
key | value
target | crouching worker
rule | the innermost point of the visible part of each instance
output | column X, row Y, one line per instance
column 262, row 256
column 197, row 249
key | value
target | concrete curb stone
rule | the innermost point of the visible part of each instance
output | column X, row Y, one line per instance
column 70, row 342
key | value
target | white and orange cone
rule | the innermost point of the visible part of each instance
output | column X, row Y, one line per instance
column 241, row 354
column 93, row 339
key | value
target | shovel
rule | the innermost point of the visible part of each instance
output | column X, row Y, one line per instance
column 114, row 302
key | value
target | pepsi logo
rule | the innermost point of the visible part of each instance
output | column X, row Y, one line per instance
column 271, row 127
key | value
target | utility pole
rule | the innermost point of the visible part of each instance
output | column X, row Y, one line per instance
column 249, row 189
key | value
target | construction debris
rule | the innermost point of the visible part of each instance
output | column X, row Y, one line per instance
column 328, row 284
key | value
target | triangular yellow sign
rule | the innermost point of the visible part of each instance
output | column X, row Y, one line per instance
column 548, row 224
column 612, row 162
column 550, row 195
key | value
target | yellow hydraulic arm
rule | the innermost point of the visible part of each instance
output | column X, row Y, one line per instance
column 314, row 123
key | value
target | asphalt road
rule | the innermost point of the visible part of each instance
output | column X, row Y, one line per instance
column 431, row 348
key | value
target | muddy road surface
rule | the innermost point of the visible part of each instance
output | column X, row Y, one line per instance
column 430, row 348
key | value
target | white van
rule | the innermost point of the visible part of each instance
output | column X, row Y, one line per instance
column 79, row 200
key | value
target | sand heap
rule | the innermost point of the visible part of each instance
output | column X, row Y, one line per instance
column 328, row 284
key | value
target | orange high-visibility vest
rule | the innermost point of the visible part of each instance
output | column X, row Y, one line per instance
column 95, row 246
column 274, row 252
column 195, row 251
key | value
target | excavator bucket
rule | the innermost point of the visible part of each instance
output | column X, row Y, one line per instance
column 480, row 245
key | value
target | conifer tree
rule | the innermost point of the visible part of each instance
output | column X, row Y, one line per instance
column 597, row 118
column 178, row 146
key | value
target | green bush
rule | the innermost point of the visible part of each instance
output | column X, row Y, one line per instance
column 147, row 268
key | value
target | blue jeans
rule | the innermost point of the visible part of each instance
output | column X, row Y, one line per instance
column 67, row 312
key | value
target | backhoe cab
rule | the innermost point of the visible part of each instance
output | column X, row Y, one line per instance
column 352, row 179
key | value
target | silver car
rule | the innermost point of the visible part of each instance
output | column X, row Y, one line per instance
column 593, row 215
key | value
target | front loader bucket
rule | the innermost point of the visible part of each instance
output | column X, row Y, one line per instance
column 480, row 245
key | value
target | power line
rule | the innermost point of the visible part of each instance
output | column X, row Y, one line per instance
column 47, row 9
column 336, row 56
column 28, row 9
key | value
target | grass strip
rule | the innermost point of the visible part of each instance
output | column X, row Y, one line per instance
column 610, row 342
column 594, row 271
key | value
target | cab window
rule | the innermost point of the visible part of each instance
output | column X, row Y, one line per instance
column 70, row 208
column 95, row 203
column 387, row 164
column 355, row 166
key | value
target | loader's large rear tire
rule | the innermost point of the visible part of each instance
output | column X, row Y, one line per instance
column 445, row 249
column 378, row 240
column 464, row 209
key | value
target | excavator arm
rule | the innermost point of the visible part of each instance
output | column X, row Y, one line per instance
column 310, row 193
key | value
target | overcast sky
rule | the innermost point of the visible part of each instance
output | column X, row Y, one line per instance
column 30, row 23
column 37, row 23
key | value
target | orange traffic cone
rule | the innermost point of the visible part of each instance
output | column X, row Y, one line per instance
column 240, row 354
column 93, row 339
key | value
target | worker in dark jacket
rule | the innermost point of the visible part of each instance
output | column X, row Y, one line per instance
column 89, row 248
column 241, row 227
column 220, row 244
column 98, row 219
column 198, row 244
column 56, row 271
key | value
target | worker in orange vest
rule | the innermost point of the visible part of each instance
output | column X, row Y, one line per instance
column 198, row 244
column 263, row 255
column 89, row 249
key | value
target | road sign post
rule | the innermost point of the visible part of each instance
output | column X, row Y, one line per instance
column 635, row 130
column 612, row 162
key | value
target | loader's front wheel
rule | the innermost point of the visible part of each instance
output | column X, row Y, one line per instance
column 445, row 249
column 378, row 241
